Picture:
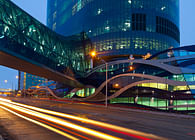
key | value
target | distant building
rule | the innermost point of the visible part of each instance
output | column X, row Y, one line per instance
column 27, row 80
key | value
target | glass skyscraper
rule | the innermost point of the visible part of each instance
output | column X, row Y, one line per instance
column 118, row 28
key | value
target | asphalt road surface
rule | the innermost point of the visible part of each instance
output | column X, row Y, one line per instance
column 164, row 125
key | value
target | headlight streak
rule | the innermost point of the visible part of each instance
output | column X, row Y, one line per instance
column 56, row 126
column 122, row 130
column 62, row 122
column 5, row 100
column 41, row 124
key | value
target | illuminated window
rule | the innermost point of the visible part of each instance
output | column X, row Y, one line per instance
column 99, row 11
column 79, row 5
column 54, row 26
column 107, row 28
column 129, row 1
column 54, row 15
column 127, row 24
column 163, row 8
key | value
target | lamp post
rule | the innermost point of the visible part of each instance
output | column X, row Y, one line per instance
column 106, row 83
column 17, row 78
column 93, row 54
column 5, row 81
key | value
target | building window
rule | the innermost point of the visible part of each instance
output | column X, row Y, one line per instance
column 129, row 1
column 164, row 26
column 99, row 11
column 54, row 26
column 54, row 15
column 138, row 22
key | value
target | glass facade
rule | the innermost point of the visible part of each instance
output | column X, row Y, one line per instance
column 118, row 27
column 28, row 80
column 184, row 58
column 162, row 104
column 27, row 39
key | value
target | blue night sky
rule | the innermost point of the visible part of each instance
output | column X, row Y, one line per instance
column 37, row 8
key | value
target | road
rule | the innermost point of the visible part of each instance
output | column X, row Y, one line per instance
column 135, row 124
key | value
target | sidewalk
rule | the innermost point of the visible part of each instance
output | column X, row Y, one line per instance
column 13, row 127
column 4, row 135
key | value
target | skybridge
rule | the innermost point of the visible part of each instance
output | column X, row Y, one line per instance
column 29, row 46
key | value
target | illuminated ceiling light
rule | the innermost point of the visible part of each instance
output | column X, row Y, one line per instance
column 148, row 55
column 163, row 8
column 2, row 36
column 107, row 28
column 99, row 11
column 116, row 85
column 152, row 100
column 129, row 1
column 6, row 28
column 127, row 24
column 136, row 98
column 122, row 46
column 188, row 92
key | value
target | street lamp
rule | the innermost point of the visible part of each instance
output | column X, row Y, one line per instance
column 131, row 68
column 116, row 85
column 93, row 54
